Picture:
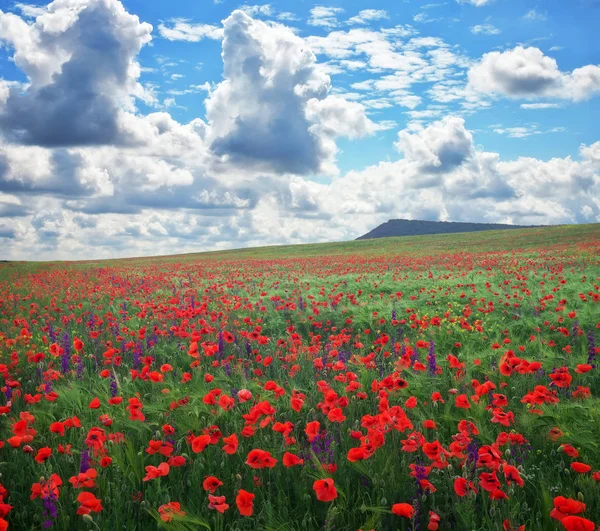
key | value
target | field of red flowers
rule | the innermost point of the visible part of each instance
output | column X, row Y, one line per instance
column 448, row 383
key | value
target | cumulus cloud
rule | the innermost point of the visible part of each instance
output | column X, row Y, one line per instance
column 440, row 146
column 272, row 110
column 79, row 57
column 528, row 73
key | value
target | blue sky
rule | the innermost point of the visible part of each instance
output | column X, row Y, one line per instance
column 564, row 31
column 205, row 125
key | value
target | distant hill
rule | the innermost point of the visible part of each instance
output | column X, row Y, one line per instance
column 409, row 227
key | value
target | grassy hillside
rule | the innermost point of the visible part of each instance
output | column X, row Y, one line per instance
column 501, row 240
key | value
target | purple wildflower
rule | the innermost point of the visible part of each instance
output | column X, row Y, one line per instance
column 591, row 348
column 431, row 359
column 84, row 465
column 66, row 354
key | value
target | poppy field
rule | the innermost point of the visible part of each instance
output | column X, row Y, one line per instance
column 441, row 383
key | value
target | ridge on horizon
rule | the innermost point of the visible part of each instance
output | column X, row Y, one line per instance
column 417, row 227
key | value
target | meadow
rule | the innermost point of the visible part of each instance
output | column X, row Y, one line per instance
column 442, row 382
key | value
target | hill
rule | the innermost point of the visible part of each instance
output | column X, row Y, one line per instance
column 414, row 227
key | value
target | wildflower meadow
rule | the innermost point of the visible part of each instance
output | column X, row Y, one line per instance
column 441, row 383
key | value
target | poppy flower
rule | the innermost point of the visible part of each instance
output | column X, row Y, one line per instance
column 211, row 484
column 88, row 503
column 580, row 468
column 260, row 459
column 405, row 510
column 462, row 401
column 336, row 415
column 58, row 427
column 217, row 503
column 312, row 430
column 95, row 403
column 325, row 490
column 199, row 443
column 43, row 454
column 84, row 479
column 434, row 521
column 462, row 486
column 168, row 510
column 231, row 444
column 153, row 472
column 290, row 460
column 570, row 450
column 244, row 502
column 564, row 507
column 576, row 523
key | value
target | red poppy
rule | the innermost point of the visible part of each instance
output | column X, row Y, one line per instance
column 199, row 443
column 231, row 444
column 325, row 490
column 312, row 430
column 244, row 502
column 580, row 468
column 43, row 454
column 290, row 460
column 576, row 523
column 153, row 472
column 88, row 503
column 211, row 484
column 462, row 402
column 405, row 510
column 217, row 503
column 260, row 459
column 168, row 510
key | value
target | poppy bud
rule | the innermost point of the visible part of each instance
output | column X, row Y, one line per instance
column 580, row 496
column 238, row 477
column 507, row 452
column 383, row 501
column 87, row 518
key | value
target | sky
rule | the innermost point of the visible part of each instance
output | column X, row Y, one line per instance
column 145, row 127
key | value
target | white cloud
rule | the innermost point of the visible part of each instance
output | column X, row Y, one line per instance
column 181, row 29
column 368, row 15
column 272, row 110
column 28, row 10
column 476, row 3
column 78, row 92
column 538, row 106
column 424, row 18
column 485, row 29
column 528, row 73
column 532, row 14
column 442, row 145
column 324, row 16
column 287, row 16
column 254, row 10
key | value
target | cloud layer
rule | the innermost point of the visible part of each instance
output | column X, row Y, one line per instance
column 84, row 173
